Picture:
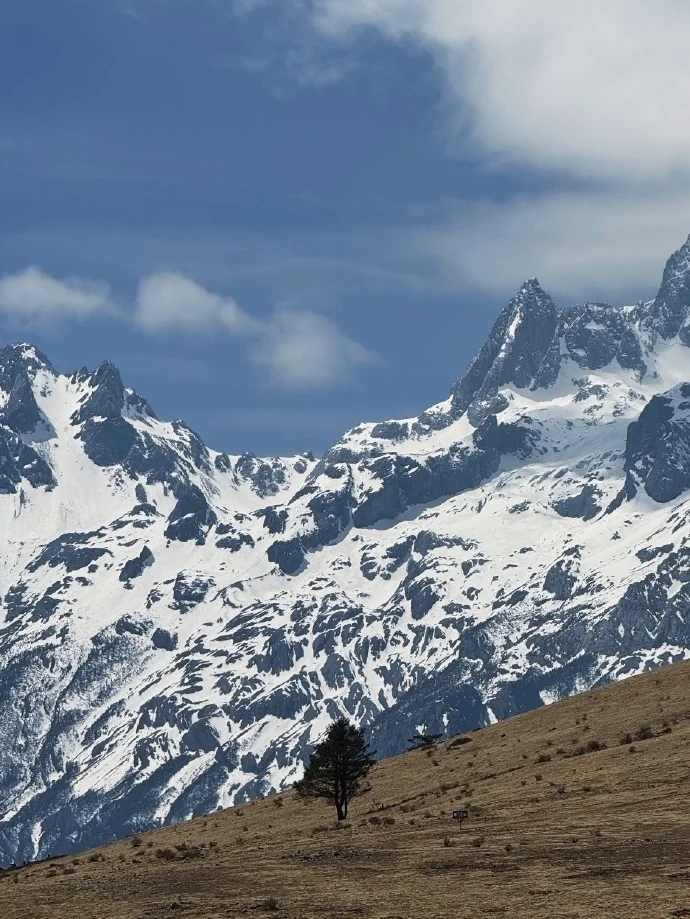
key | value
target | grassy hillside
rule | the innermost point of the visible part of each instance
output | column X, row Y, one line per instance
column 560, row 827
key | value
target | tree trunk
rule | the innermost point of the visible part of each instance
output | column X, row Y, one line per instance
column 341, row 807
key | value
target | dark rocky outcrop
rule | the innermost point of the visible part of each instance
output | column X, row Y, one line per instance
column 287, row 554
column 274, row 520
column 404, row 481
column 667, row 314
column 108, row 441
column 71, row 550
column 189, row 590
column 651, row 552
column 561, row 579
column 512, row 354
column 597, row 333
column 21, row 412
column 330, row 514
column 164, row 640
column 657, row 451
column 135, row 567
column 235, row 541
column 20, row 462
column 517, row 438
column 191, row 518
column 583, row 505
column 106, row 398
column 21, row 360
column 266, row 477
column 391, row 430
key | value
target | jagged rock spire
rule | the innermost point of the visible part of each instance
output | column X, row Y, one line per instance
column 669, row 310
column 107, row 398
column 21, row 412
column 514, row 349
column 19, row 364
column 21, row 358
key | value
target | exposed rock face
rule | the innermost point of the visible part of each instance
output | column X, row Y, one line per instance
column 266, row 477
column 177, row 625
column 513, row 353
column 21, row 463
column 21, row 360
column 191, row 517
column 583, row 505
column 71, row 551
column 597, row 334
column 668, row 313
column 134, row 568
column 21, row 412
column 190, row 590
column 657, row 451
column 401, row 482
column 561, row 578
column 106, row 397
column 108, row 441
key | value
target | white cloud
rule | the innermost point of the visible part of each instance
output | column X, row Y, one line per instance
column 34, row 296
column 586, row 91
column 168, row 301
column 295, row 349
column 580, row 245
column 599, row 89
column 302, row 350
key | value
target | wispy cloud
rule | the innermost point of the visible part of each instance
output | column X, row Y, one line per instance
column 303, row 350
column 170, row 301
column 31, row 296
column 293, row 349
column 288, row 51
column 589, row 244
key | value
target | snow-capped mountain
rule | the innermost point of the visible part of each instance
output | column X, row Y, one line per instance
column 178, row 625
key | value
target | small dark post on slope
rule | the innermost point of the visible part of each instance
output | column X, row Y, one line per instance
column 337, row 767
column 424, row 741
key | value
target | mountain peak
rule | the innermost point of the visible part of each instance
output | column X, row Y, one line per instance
column 107, row 374
column 669, row 310
column 107, row 397
column 531, row 284
column 514, row 350
column 21, row 357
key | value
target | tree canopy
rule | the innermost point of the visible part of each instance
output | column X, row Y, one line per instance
column 338, row 766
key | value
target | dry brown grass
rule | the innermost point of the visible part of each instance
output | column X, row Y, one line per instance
column 604, row 833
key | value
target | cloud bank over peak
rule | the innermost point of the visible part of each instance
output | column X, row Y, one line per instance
column 293, row 349
column 579, row 245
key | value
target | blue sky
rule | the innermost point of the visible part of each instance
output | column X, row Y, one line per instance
column 280, row 219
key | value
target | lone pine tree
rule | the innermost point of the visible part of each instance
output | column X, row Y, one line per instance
column 337, row 767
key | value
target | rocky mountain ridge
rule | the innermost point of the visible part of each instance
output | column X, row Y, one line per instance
column 178, row 625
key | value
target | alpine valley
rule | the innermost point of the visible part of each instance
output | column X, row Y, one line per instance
column 178, row 626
